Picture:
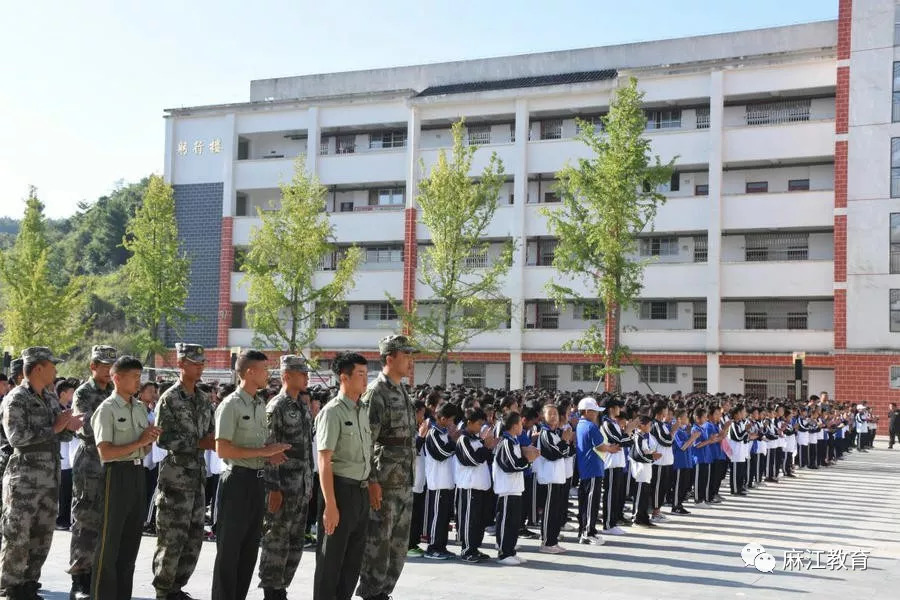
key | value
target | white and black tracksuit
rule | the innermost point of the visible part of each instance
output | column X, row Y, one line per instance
column 614, row 474
column 642, row 460
column 473, row 482
column 439, row 448
column 550, row 472
column 663, row 466
column 738, row 436
column 509, row 483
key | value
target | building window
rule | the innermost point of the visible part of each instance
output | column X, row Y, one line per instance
column 551, row 197
column 239, row 316
column 547, row 376
column 658, row 373
column 384, row 254
column 757, row 187
column 473, row 374
column 341, row 321
column 703, row 118
column 659, row 246
column 240, row 257
column 586, row 310
column 541, row 252
column 477, row 258
column 243, row 149
column 387, row 197
column 701, row 248
column 771, row 113
column 895, row 167
column 798, row 185
column 240, row 205
column 895, row 378
column 382, row 311
column 895, row 109
column 552, row 129
column 699, row 380
column 346, row 144
column 658, row 310
column 701, row 189
column 323, row 147
column 583, row 373
column 547, row 315
column 700, row 314
column 761, row 247
column 346, row 206
column 478, row 135
column 895, row 310
column 779, row 314
column 675, row 183
column 664, row 119
column 895, row 243
column 595, row 122
column 388, row 139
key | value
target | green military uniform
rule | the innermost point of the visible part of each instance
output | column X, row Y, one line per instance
column 119, row 422
column 241, row 501
column 87, row 479
column 342, row 427
column 185, row 419
column 289, row 422
column 30, row 483
column 6, row 450
column 393, row 421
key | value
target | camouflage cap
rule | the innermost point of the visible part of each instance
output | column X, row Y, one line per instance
column 292, row 362
column 37, row 354
column 396, row 343
column 104, row 354
column 191, row 352
column 16, row 366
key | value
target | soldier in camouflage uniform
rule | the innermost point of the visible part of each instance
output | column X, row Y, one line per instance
column 290, row 483
column 186, row 417
column 15, row 377
column 34, row 426
column 393, row 420
column 87, row 473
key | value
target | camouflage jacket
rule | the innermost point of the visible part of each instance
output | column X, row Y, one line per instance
column 28, row 419
column 87, row 398
column 290, row 422
column 184, row 420
column 392, row 418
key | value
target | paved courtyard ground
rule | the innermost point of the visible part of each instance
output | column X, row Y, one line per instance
column 852, row 507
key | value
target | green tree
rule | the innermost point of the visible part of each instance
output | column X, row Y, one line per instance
column 158, row 270
column 36, row 310
column 285, row 305
column 467, row 298
column 607, row 200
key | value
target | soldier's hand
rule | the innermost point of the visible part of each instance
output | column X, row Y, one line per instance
column 277, row 459
column 330, row 518
column 150, row 435
column 75, row 422
column 375, row 496
column 273, row 449
column 275, row 500
column 62, row 420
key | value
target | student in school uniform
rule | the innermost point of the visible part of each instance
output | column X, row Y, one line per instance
column 643, row 453
column 590, row 448
column 440, row 446
column 510, row 461
column 719, row 466
column 738, row 436
column 815, row 434
column 703, row 454
column 473, row 480
column 661, row 482
column 614, row 467
column 531, row 502
column 682, row 446
column 755, row 447
column 417, row 522
column 550, row 470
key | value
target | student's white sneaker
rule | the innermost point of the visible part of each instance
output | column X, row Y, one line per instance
column 706, row 504
column 551, row 550
column 614, row 531
column 568, row 527
column 596, row 540
column 521, row 560
column 659, row 517
column 509, row 561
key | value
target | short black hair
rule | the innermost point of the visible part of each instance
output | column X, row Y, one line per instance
column 447, row 410
column 126, row 363
column 148, row 384
column 345, row 362
column 659, row 407
column 63, row 386
column 510, row 420
column 246, row 357
column 473, row 415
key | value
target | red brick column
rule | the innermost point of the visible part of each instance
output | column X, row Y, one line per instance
column 226, row 263
column 845, row 7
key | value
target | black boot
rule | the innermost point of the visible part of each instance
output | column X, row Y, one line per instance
column 81, row 586
column 30, row 591
column 271, row 594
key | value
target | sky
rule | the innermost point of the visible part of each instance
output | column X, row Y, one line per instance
column 83, row 85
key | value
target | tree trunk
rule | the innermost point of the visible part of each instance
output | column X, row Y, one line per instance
column 611, row 346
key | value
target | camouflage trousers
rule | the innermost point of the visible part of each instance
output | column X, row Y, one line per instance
column 180, row 512
column 30, row 497
column 282, row 542
column 387, row 543
column 4, row 458
column 87, row 507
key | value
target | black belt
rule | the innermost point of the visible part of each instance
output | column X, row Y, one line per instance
column 396, row 442
column 258, row 473
column 351, row 482
column 43, row 447
column 133, row 463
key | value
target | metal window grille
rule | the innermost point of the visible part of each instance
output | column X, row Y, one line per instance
column 776, row 314
column 703, row 118
column 664, row 119
column 478, row 135
column 546, row 251
column 895, row 167
column 659, row 246
column 698, row 380
column 323, row 147
column 701, row 248
column 387, row 139
column 384, row 254
column 895, row 377
column 798, row 185
column 700, row 314
column 588, row 311
column 658, row 310
column 547, row 376
column 342, row 321
column 761, row 247
column 583, row 373
column 477, row 258
column 658, row 373
column 551, row 129
column 895, row 310
column 595, row 122
column 895, row 243
column 784, row 111
column 346, row 144
column 547, row 315
column 761, row 383
column 473, row 374
column 382, row 311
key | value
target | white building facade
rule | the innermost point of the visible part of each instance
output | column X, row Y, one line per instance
column 773, row 185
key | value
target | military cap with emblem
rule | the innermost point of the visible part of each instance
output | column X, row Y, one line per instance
column 104, row 354
column 395, row 343
column 191, row 352
column 292, row 362
column 37, row 354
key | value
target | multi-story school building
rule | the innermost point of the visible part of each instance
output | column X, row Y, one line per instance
column 780, row 234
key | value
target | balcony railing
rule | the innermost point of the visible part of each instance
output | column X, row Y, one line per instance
column 772, row 113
